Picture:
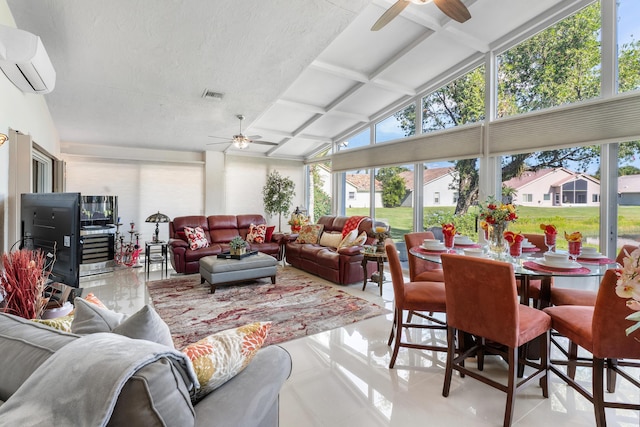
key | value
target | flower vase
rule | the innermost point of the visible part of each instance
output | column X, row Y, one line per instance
column 497, row 242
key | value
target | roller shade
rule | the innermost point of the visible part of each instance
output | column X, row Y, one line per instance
column 451, row 144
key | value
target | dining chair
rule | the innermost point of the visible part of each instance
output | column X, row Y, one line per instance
column 420, row 269
column 600, row 330
column 413, row 297
column 482, row 300
column 569, row 296
column 536, row 293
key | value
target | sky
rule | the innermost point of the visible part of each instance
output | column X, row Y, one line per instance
column 628, row 30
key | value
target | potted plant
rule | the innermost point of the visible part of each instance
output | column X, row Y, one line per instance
column 22, row 283
column 277, row 195
column 237, row 246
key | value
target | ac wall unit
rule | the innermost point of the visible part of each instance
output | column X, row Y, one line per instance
column 25, row 62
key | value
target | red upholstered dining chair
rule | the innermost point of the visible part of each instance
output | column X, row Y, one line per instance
column 601, row 331
column 410, row 297
column 482, row 300
column 419, row 269
column 535, row 286
column 568, row 296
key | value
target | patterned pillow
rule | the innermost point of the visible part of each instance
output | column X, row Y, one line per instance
column 348, row 239
column 330, row 240
column 257, row 233
column 196, row 238
column 221, row 356
column 63, row 323
column 309, row 233
column 360, row 240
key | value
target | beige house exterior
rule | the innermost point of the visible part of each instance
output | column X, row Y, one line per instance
column 555, row 187
column 437, row 186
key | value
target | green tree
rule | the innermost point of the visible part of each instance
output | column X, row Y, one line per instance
column 277, row 195
column 394, row 188
column 321, row 200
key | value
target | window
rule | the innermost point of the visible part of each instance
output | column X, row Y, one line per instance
column 320, row 178
column 436, row 198
column 595, row 198
column 528, row 198
column 395, row 200
column 399, row 125
column 455, row 197
column 352, row 195
column 546, row 197
column 628, row 46
column 42, row 170
column 360, row 140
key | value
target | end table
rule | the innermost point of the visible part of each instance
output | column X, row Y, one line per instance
column 379, row 258
column 156, row 256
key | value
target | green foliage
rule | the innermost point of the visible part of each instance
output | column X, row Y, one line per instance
column 393, row 186
column 321, row 200
column 277, row 195
column 237, row 243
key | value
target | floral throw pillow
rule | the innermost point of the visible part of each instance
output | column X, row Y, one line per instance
column 63, row 323
column 257, row 233
column 221, row 356
column 196, row 238
column 309, row 233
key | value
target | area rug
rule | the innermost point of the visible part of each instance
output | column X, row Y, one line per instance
column 298, row 305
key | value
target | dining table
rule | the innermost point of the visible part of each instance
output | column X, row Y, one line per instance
column 530, row 266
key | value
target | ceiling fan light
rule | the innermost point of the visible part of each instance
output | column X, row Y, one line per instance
column 420, row 1
column 240, row 142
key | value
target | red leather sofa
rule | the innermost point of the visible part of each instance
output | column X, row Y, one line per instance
column 219, row 230
column 342, row 266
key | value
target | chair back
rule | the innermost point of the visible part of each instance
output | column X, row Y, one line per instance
column 481, row 297
column 396, row 272
column 624, row 250
column 609, row 323
column 537, row 240
column 416, row 265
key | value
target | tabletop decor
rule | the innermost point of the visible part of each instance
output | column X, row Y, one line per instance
column 449, row 234
column 550, row 233
column 297, row 220
column 575, row 244
column 515, row 243
column 497, row 216
column 237, row 246
column 628, row 286
column 380, row 230
column 22, row 283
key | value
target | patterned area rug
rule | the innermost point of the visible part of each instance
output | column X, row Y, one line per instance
column 297, row 305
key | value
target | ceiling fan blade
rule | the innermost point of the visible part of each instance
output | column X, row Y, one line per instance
column 252, row 137
column 219, row 137
column 218, row 143
column 264, row 143
column 390, row 13
column 454, row 9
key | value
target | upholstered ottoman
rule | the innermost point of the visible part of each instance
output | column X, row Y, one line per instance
column 219, row 271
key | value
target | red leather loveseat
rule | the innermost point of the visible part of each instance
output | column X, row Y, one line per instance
column 219, row 230
column 343, row 266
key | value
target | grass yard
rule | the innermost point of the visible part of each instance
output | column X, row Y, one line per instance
column 569, row 219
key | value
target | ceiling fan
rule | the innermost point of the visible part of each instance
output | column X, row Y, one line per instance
column 454, row 9
column 240, row 140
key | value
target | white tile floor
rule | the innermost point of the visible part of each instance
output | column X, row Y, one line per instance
column 341, row 377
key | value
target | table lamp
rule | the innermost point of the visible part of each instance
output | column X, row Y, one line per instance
column 157, row 218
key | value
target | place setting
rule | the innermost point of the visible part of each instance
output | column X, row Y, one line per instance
column 556, row 262
column 464, row 242
column 591, row 255
column 527, row 246
column 432, row 246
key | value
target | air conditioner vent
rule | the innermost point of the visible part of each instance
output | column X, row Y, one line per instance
column 209, row 94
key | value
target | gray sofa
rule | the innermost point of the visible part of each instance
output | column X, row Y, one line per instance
column 44, row 380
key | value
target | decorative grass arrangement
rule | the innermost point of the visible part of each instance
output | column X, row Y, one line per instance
column 22, row 283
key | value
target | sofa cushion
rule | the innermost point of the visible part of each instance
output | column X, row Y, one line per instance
column 331, row 240
column 221, row 356
column 196, row 238
column 257, row 233
column 309, row 233
column 269, row 234
column 89, row 318
column 24, row 346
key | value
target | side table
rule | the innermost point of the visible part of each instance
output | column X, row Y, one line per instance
column 285, row 238
column 152, row 257
column 379, row 258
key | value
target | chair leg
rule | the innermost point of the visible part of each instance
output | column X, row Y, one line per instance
column 409, row 316
column 451, row 353
column 545, row 341
column 598, row 392
column 511, row 385
column 396, row 347
column 393, row 326
column 611, row 375
column 572, row 357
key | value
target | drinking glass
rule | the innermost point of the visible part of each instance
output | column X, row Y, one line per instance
column 515, row 249
column 449, row 242
column 550, row 241
column 575, row 249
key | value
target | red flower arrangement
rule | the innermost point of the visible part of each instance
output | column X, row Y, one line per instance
column 23, row 282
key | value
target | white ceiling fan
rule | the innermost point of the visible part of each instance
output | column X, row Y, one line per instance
column 454, row 9
column 240, row 140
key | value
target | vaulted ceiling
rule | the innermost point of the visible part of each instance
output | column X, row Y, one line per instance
column 132, row 73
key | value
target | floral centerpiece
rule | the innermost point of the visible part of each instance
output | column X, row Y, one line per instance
column 297, row 220
column 22, row 283
column 495, row 218
column 628, row 286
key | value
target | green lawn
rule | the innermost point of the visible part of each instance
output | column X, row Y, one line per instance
column 569, row 219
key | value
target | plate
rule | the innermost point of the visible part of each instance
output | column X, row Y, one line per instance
column 434, row 248
column 595, row 255
column 571, row 265
column 529, row 246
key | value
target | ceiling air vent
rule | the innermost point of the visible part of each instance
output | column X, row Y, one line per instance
column 209, row 94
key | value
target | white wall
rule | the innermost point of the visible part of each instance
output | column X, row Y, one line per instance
column 29, row 114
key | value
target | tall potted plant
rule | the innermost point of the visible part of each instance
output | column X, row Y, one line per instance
column 277, row 195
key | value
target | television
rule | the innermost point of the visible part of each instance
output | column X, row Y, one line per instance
column 51, row 222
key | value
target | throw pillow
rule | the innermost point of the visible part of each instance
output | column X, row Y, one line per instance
column 196, row 238
column 257, row 233
column 221, row 356
column 145, row 324
column 360, row 240
column 269, row 235
column 309, row 233
column 94, row 300
column 348, row 239
column 89, row 318
column 330, row 240
column 60, row 323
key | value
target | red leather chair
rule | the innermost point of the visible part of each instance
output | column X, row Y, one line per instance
column 410, row 297
column 419, row 269
column 482, row 301
column 599, row 329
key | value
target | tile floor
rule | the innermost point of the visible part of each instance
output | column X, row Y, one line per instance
column 341, row 377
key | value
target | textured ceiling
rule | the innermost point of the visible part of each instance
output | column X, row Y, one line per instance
column 131, row 73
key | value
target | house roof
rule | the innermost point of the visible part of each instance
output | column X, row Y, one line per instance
column 629, row 184
column 528, row 177
column 362, row 182
column 428, row 176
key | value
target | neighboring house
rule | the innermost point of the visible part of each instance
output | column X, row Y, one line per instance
column 357, row 191
column 555, row 187
column 437, row 187
column 629, row 190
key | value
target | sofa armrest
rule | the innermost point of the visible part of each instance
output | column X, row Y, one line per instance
column 251, row 397
column 178, row 243
column 350, row 250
